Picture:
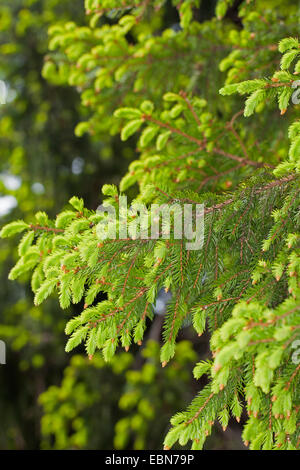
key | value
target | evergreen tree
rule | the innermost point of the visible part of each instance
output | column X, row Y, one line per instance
column 142, row 77
column 42, row 163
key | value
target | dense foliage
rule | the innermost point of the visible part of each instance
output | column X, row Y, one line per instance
column 152, row 79
column 42, row 163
